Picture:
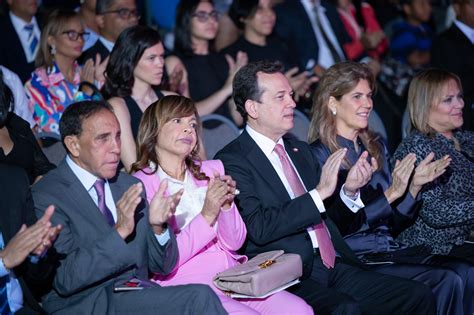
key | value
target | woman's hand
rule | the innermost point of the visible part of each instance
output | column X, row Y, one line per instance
column 231, row 191
column 300, row 82
column 400, row 177
column 216, row 196
column 87, row 72
column 234, row 66
column 359, row 174
column 427, row 171
column 99, row 69
column 163, row 207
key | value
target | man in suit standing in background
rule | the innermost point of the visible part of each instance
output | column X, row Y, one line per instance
column 20, row 37
column 313, row 32
column 453, row 50
column 281, row 203
column 112, row 17
column 25, row 267
column 110, row 236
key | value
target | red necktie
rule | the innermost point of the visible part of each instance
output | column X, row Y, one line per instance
column 326, row 249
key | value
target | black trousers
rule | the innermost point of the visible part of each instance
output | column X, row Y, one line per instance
column 346, row 289
column 445, row 283
column 464, row 268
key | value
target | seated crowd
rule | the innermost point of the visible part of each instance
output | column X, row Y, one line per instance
column 383, row 225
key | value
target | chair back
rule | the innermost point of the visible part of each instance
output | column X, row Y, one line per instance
column 376, row 125
column 54, row 151
column 301, row 126
column 405, row 124
column 217, row 132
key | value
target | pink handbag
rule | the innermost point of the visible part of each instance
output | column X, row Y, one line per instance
column 261, row 274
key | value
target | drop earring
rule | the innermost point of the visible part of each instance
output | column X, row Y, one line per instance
column 53, row 49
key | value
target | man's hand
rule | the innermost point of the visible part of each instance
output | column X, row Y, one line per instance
column 400, row 177
column 163, row 207
column 28, row 239
column 427, row 171
column 126, row 207
column 359, row 174
column 328, row 181
column 52, row 234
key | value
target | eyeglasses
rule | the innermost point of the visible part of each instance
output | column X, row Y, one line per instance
column 74, row 35
column 124, row 13
column 203, row 16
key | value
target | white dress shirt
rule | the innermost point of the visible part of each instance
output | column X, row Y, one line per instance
column 22, row 108
column 14, row 293
column 19, row 26
column 267, row 145
column 325, row 58
column 88, row 180
column 466, row 30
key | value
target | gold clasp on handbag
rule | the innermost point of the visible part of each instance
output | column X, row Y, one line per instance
column 267, row 263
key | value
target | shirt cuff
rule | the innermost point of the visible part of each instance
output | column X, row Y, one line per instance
column 3, row 270
column 353, row 203
column 163, row 238
column 318, row 202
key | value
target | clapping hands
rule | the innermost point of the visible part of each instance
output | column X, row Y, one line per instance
column 360, row 174
column 220, row 194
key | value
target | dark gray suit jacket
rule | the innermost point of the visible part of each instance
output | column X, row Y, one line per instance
column 93, row 255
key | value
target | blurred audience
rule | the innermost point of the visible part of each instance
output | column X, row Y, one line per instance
column 207, row 224
column 133, row 76
column 21, row 105
column 368, row 42
column 18, row 145
column 453, row 50
column 112, row 17
column 313, row 32
column 88, row 16
column 208, row 75
column 257, row 19
column 20, row 37
column 56, row 80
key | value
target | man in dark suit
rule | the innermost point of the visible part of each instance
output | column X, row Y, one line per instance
column 313, row 32
column 113, row 16
column 20, row 37
column 22, row 273
column 282, row 205
column 110, row 236
column 453, row 50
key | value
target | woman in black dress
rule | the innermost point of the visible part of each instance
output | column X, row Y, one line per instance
column 133, row 76
column 18, row 145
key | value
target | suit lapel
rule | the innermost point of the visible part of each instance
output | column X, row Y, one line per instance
column 80, row 197
column 262, row 165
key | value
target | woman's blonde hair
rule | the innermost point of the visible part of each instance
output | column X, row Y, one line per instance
column 424, row 93
column 54, row 25
column 337, row 81
column 151, row 124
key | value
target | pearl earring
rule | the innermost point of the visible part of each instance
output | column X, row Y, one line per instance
column 334, row 112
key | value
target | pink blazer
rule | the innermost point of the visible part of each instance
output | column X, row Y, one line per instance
column 198, row 236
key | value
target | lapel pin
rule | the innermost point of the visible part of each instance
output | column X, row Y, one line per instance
column 295, row 150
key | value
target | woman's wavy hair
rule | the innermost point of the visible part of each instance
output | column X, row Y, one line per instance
column 54, row 25
column 424, row 93
column 127, row 51
column 337, row 81
column 151, row 124
column 182, row 30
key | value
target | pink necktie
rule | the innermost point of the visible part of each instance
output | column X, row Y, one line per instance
column 326, row 249
column 99, row 186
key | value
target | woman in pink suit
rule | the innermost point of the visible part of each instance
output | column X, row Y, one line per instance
column 207, row 224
